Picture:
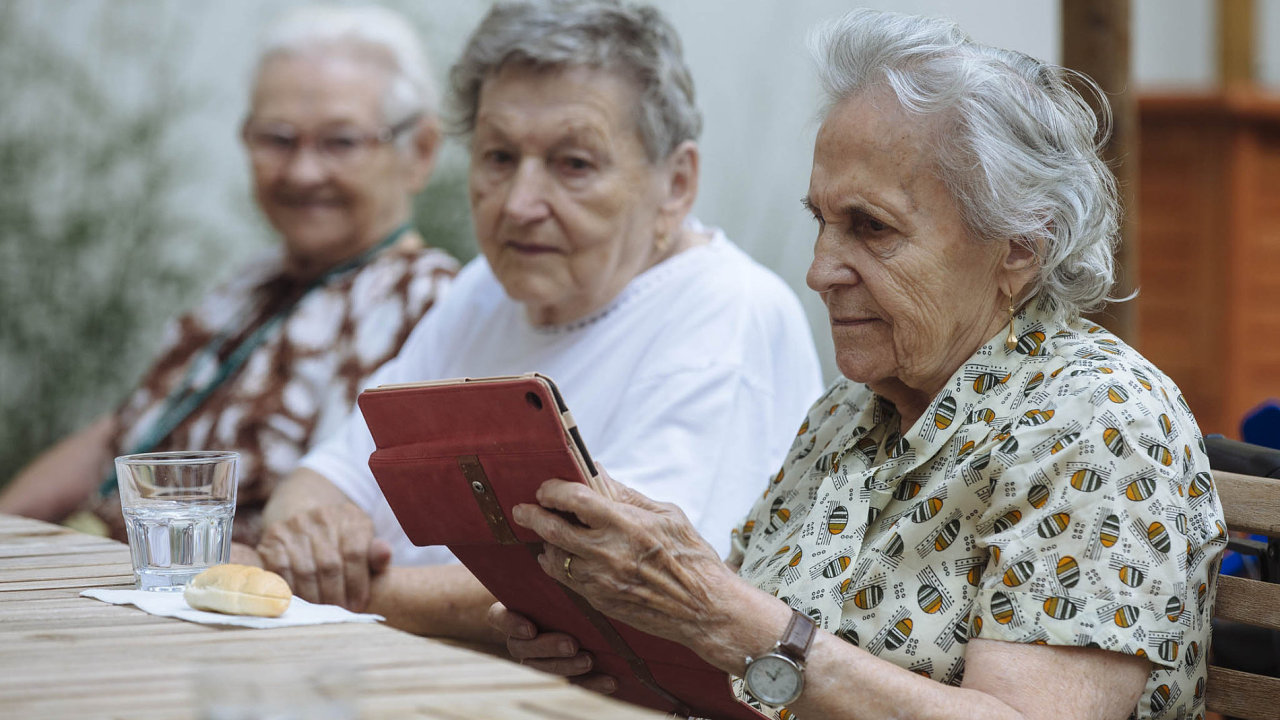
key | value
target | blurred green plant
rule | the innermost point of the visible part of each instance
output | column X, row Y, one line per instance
column 442, row 212
column 85, row 221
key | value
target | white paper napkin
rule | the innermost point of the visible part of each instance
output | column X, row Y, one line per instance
column 172, row 604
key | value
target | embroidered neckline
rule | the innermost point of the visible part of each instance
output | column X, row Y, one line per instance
column 638, row 287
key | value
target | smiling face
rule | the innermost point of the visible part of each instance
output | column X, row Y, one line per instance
column 327, row 211
column 567, row 206
column 909, row 293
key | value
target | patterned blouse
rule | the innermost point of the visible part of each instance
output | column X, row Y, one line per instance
column 299, row 383
column 1058, row 493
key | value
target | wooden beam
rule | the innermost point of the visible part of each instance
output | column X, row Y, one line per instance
column 1251, row 602
column 1250, row 503
column 1096, row 42
column 1236, row 41
column 1243, row 695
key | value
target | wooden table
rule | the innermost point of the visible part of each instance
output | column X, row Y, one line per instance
column 64, row 656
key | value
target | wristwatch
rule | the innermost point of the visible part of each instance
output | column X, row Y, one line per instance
column 777, row 677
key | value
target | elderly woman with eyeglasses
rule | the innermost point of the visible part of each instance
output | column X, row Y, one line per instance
column 341, row 133
column 1001, row 510
column 683, row 360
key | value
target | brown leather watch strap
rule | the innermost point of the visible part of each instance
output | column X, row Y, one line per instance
column 798, row 637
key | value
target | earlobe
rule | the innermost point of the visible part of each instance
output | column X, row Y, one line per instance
column 1020, row 265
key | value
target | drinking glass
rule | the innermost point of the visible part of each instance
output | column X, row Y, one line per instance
column 178, row 508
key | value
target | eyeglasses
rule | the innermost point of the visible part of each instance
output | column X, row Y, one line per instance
column 340, row 147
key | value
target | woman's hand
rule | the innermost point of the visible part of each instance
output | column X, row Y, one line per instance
column 242, row 554
column 327, row 554
column 555, row 653
column 633, row 559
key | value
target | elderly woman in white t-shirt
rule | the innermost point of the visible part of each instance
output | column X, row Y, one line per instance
column 684, row 362
column 1001, row 511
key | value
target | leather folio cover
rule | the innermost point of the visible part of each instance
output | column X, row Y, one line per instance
column 454, row 457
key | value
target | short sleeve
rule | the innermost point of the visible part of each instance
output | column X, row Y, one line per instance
column 1100, row 526
column 343, row 456
column 705, row 440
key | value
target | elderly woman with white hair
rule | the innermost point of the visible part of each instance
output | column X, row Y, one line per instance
column 341, row 133
column 1001, row 510
column 685, row 362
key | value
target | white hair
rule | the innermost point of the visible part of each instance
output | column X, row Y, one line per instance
column 323, row 27
column 1016, row 144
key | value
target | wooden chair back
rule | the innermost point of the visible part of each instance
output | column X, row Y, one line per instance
column 1250, row 504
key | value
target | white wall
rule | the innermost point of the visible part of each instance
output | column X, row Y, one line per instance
column 753, row 76
column 1174, row 43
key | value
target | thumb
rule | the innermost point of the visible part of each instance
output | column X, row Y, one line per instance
column 379, row 555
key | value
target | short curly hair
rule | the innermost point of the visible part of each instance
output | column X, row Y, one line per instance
column 634, row 41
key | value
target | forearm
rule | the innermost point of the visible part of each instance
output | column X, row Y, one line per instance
column 301, row 491
column 884, row 689
column 440, row 601
column 835, row 671
column 1003, row 680
column 60, row 479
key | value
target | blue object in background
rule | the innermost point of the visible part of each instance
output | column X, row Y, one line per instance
column 1261, row 425
column 1240, row 565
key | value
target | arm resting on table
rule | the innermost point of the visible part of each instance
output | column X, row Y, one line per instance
column 439, row 601
column 323, row 545
column 60, row 478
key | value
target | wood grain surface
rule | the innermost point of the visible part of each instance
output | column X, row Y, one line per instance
column 64, row 656
column 1250, row 503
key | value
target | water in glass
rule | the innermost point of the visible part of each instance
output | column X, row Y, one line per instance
column 174, row 541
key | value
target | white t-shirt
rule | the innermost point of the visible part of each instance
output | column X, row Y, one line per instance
column 688, row 387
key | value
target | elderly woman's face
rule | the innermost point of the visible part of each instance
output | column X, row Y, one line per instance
column 564, row 198
column 326, row 205
column 910, row 295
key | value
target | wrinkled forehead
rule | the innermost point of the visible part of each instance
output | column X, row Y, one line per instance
column 517, row 67
column 872, row 124
column 521, row 92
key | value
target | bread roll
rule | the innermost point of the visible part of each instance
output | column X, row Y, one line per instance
column 239, row 590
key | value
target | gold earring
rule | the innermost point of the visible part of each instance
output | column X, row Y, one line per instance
column 1011, row 341
column 662, row 242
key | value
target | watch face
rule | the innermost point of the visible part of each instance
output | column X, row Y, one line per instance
column 774, row 679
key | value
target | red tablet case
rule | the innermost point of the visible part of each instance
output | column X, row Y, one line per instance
column 453, row 458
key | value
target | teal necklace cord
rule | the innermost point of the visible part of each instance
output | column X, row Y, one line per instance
column 185, row 398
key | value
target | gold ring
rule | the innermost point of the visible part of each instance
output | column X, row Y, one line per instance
column 568, row 559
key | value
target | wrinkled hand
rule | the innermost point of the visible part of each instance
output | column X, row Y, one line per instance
column 556, row 653
column 242, row 554
column 636, row 560
column 328, row 554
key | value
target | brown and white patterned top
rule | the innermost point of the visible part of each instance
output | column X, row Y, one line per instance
column 1058, row 493
column 299, row 383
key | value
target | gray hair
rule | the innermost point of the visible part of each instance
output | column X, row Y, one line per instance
column 633, row 41
column 1018, row 146
column 360, row 28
